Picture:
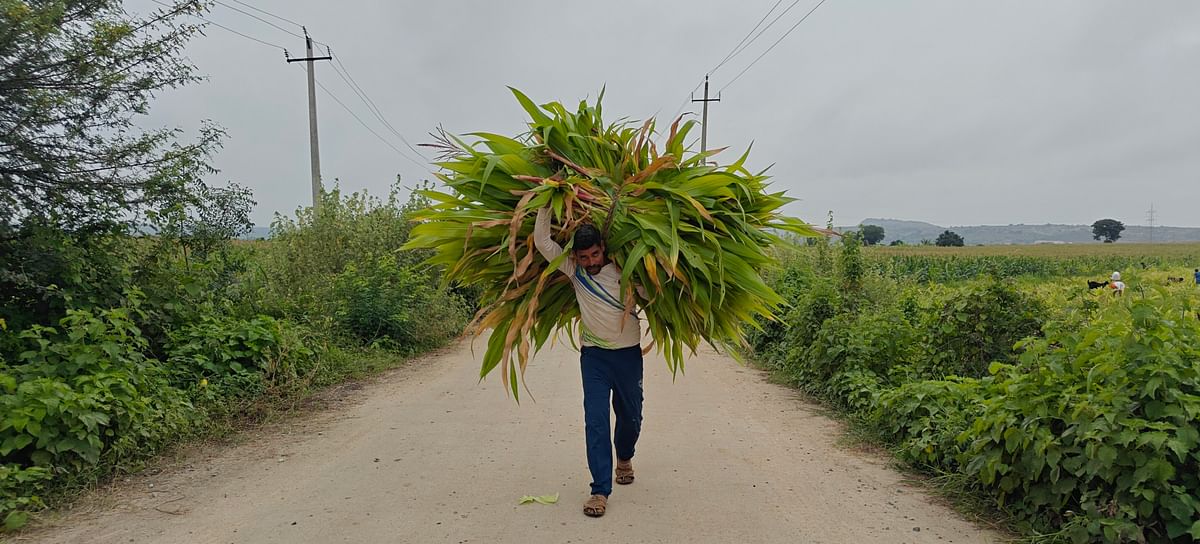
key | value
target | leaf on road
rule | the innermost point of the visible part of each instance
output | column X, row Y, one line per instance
column 544, row 499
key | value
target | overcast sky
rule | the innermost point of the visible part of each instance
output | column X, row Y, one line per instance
column 953, row 112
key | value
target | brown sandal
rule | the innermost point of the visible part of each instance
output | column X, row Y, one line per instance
column 595, row 506
column 624, row 472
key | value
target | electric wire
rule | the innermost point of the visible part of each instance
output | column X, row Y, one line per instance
column 369, row 129
column 764, row 53
column 734, row 51
column 221, row 26
column 260, row 19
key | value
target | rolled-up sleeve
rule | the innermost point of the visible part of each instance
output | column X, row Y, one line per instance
column 545, row 243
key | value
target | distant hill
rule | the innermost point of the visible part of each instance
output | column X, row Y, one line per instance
column 912, row 232
column 257, row 232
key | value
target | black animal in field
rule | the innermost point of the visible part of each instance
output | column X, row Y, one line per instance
column 1097, row 284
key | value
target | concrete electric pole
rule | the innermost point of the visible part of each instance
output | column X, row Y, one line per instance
column 704, row 118
column 314, row 148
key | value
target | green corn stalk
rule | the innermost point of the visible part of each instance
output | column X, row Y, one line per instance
column 694, row 235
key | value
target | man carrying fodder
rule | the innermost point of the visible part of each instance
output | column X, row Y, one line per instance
column 682, row 238
column 610, row 359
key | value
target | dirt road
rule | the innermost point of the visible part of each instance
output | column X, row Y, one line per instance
column 428, row 455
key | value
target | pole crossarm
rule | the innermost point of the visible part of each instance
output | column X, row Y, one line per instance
column 704, row 121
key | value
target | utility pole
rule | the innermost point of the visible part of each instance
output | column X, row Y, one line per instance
column 314, row 150
column 704, row 121
column 1150, row 218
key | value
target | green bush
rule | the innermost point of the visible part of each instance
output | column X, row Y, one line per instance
column 792, row 283
column 850, row 266
column 307, row 253
column 398, row 303
column 220, row 347
column 18, row 493
column 1081, row 421
column 782, row 349
column 924, row 419
column 852, row 355
column 84, row 397
column 976, row 325
column 1102, row 423
column 84, row 392
column 178, row 291
column 44, row 272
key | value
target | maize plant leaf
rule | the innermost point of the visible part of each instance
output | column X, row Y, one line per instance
column 540, row 499
column 693, row 236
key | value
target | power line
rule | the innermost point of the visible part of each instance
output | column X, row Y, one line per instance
column 366, row 100
column 344, row 73
column 323, row 88
column 248, row 37
column 369, row 129
column 221, row 26
column 738, row 50
column 265, row 12
column 260, row 19
column 764, row 53
column 683, row 103
column 739, row 44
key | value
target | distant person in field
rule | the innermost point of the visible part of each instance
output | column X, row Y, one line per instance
column 1116, row 284
column 1196, row 273
column 610, row 359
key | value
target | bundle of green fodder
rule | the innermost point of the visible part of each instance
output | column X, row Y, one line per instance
column 694, row 235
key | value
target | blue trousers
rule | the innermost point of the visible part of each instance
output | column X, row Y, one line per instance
column 615, row 374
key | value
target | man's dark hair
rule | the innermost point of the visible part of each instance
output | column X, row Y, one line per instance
column 586, row 236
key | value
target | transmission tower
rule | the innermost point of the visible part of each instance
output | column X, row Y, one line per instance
column 1150, row 220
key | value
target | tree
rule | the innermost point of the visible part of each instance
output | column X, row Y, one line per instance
column 949, row 238
column 74, row 75
column 207, row 220
column 896, row 243
column 871, row 234
column 1109, row 229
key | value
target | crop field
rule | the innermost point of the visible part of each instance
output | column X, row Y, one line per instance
column 1171, row 251
column 931, row 263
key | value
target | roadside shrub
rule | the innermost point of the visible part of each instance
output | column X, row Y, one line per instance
column 45, row 271
column 254, row 351
column 1098, row 429
column 853, row 354
column 18, row 493
column 85, row 392
column 385, row 300
column 924, row 419
column 850, row 267
column 308, row 252
column 792, row 283
column 179, row 292
column 976, row 325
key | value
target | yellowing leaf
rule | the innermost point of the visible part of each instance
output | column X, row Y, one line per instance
column 540, row 499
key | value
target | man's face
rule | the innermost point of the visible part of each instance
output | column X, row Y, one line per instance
column 591, row 259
